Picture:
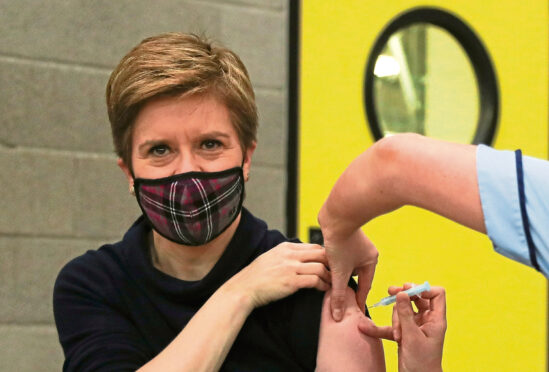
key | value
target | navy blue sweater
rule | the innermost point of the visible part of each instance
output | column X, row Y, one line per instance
column 114, row 311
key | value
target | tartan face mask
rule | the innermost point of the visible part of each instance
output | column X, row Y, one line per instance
column 191, row 208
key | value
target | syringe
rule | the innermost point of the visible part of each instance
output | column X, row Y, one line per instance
column 414, row 291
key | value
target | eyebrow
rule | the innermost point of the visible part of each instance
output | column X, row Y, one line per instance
column 149, row 143
column 214, row 133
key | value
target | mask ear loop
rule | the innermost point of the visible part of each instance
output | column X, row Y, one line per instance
column 132, row 188
column 247, row 175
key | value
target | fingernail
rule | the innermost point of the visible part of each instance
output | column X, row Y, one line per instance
column 337, row 315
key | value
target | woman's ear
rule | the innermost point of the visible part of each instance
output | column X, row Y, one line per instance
column 246, row 164
column 126, row 171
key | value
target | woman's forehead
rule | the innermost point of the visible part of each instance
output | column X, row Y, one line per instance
column 195, row 115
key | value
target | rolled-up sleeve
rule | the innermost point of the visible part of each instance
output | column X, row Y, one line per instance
column 498, row 188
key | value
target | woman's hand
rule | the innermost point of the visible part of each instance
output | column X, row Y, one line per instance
column 283, row 270
column 352, row 254
column 420, row 335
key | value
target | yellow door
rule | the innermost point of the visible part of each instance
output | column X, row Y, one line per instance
column 496, row 308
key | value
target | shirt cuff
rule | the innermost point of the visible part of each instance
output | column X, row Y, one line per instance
column 498, row 189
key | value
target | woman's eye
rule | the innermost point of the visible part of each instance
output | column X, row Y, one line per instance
column 159, row 150
column 211, row 144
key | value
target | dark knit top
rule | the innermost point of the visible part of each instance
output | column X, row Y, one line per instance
column 114, row 311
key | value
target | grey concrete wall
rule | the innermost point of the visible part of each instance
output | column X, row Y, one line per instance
column 62, row 192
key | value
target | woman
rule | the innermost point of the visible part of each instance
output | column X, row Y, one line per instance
column 197, row 283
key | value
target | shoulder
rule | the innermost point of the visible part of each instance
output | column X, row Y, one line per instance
column 271, row 239
column 258, row 233
column 95, row 270
column 92, row 308
column 91, row 262
column 88, row 274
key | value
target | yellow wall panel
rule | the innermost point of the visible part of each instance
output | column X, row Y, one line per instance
column 496, row 308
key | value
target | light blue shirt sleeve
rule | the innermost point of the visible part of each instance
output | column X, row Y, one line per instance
column 498, row 188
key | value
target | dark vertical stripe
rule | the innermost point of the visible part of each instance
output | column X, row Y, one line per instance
column 547, row 330
column 524, row 214
column 293, row 118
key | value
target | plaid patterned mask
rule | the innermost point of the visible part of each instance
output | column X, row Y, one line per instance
column 191, row 208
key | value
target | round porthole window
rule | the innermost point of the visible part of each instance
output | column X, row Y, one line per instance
column 429, row 73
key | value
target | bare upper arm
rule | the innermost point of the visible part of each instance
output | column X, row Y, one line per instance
column 342, row 344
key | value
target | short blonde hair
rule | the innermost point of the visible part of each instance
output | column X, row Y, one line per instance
column 177, row 64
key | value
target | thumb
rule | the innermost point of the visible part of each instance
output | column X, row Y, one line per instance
column 337, row 298
column 405, row 314
column 366, row 326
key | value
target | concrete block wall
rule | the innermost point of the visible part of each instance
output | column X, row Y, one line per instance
column 62, row 191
